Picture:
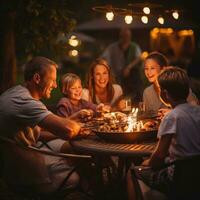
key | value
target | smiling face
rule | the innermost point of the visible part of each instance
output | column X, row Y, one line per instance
column 47, row 82
column 75, row 91
column 151, row 70
column 101, row 76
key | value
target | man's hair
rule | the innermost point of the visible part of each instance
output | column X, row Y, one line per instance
column 66, row 81
column 37, row 65
column 159, row 58
column 176, row 81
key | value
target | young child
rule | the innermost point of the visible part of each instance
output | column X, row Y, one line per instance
column 71, row 105
column 153, row 64
column 178, row 132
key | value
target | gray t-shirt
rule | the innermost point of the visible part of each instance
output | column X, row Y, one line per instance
column 18, row 110
column 184, row 123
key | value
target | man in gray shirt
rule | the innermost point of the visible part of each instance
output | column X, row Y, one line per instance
column 22, row 116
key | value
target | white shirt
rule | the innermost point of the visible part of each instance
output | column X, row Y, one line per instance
column 183, row 122
column 117, row 93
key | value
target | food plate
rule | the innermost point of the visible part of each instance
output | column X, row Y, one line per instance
column 128, row 137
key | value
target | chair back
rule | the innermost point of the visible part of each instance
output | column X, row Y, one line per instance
column 186, row 182
column 22, row 166
column 25, row 165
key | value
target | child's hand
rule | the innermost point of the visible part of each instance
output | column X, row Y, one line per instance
column 103, row 108
column 85, row 113
column 121, row 104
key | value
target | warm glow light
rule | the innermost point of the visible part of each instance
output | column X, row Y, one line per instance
column 144, row 54
column 73, row 53
column 128, row 19
column 73, row 41
column 156, row 31
column 110, row 16
column 146, row 10
column 161, row 20
column 144, row 19
column 175, row 15
column 186, row 32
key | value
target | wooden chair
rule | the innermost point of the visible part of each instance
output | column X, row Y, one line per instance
column 185, row 184
column 33, row 160
column 186, row 179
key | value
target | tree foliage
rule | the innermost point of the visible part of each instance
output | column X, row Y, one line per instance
column 29, row 28
column 38, row 24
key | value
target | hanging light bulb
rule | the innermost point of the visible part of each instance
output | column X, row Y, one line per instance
column 144, row 19
column 175, row 15
column 161, row 20
column 128, row 19
column 110, row 16
column 73, row 53
column 73, row 41
column 146, row 10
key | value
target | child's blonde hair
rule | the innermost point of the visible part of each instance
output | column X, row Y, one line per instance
column 66, row 81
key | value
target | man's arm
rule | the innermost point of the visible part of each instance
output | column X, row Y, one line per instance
column 47, row 136
column 161, row 152
column 61, row 127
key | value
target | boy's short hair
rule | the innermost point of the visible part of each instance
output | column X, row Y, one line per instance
column 66, row 81
column 176, row 81
column 37, row 65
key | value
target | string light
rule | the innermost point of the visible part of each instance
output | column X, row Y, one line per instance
column 146, row 10
column 110, row 16
column 128, row 19
column 141, row 10
column 73, row 53
column 73, row 41
column 161, row 20
column 144, row 19
column 175, row 15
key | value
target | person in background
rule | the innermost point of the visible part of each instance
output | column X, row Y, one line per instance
column 124, row 58
column 101, row 87
column 154, row 63
column 175, row 141
column 23, row 117
column 71, row 105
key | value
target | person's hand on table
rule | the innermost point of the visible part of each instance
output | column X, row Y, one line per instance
column 73, row 128
column 162, row 112
column 103, row 108
column 85, row 114
column 84, row 131
column 121, row 105
column 145, row 162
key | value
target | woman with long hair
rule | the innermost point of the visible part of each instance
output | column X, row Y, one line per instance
column 100, row 85
column 154, row 63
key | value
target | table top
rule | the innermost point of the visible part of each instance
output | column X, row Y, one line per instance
column 94, row 145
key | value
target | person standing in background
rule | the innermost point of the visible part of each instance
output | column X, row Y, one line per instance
column 124, row 58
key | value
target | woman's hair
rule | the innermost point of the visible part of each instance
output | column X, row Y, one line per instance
column 159, row 58
column 66, row 81
column 91, row 82
column 176, row 81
